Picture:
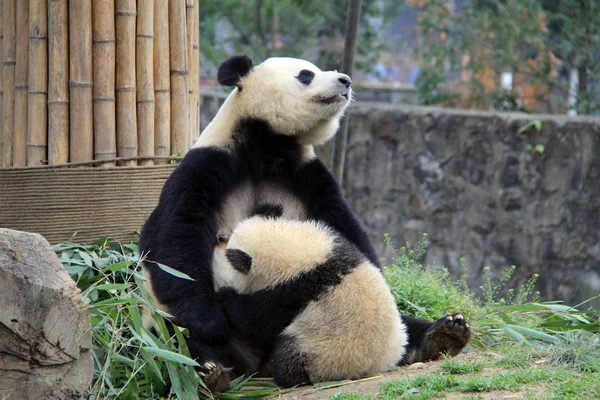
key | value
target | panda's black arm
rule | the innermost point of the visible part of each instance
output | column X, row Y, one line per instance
column 181, row 234
column 323, row 198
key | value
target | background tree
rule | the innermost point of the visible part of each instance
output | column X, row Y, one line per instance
column 311, row 29
column 465, row 49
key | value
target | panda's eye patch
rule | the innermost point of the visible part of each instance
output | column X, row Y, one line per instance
column 305, row 77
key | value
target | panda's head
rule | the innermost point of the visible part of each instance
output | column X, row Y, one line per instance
column 265, row 251
column 294, row 96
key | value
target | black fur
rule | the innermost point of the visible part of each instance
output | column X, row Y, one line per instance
column 239, row 260
column 267, row 210
column 305, row 77
column 288, row 365
column 182, row 233
column 232, row 70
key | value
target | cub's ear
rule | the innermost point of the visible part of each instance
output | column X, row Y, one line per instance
column 232, row 70
column 239, row 260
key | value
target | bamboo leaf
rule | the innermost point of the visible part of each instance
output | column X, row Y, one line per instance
column 171, row 356
column 174, row 272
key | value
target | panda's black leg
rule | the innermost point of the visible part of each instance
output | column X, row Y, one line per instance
column 288, row 364
column 428, row 340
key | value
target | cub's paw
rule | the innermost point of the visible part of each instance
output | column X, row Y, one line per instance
column 215, row 377
column 448, row 335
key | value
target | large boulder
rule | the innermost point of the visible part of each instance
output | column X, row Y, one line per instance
column 45, row 336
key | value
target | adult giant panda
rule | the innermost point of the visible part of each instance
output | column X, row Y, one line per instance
column 350, row 329
column 257, row 153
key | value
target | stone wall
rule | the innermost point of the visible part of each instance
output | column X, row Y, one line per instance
column 471, row 182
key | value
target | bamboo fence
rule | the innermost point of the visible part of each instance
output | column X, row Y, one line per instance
column 94, row 80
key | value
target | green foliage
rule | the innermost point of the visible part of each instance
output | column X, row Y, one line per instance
column 310, row 29
column 425, row 292
column 533, row 39
column 456, row 367
column 428, row 87
column 498, row 316
column 131, row 361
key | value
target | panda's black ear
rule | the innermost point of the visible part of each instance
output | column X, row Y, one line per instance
column 239, row 260
column 232, row 70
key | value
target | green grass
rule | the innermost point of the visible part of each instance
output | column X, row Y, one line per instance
column 519, row 341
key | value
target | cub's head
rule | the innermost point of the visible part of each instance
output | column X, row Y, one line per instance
column 294, row 96
column 265, row 251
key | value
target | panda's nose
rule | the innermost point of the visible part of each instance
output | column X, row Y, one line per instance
column 345, row 80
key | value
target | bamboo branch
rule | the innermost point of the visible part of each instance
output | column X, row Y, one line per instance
column 162, row 84
column 145, row 79
column 1, row 83
column 81, row 75
column 58, row 83
column 37, row 135
column 127, row 144
column 21, row 85
column 104, row 66
column 179, row 72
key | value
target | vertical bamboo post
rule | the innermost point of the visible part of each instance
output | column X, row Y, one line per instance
column 125, row 13
column 21, row 84
column 193, row 56
column 80, row 57
column 8, row 73
column 37, row 138
column 104, row 64
column 145, row 79
column 58, row 82
column 1, row 82
column 178, row 63
column 162, row 83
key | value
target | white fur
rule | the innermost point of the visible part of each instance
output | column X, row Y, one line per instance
column 355, row 329
column 281, row 249
column 272, row 93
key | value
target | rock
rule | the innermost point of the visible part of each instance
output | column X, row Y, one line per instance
column 45, row 336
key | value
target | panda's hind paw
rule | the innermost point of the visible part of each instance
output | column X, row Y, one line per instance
column 215, row 377
column 449, row 335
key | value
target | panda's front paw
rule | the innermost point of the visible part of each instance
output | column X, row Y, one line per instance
column 448, row 335
column 215, row 377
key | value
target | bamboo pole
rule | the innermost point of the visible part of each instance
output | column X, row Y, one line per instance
column 162, row 83
column 179, row 72
column 125, row 13
column 145, row 79
column 21, row 84
column 1, row 82
column 104, row 65
column 193, row 56
column 8, row 66
column 58, row 82
column 37, row 138
column 80, row 56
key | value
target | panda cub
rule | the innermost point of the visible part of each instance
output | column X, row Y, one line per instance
column 351, row 329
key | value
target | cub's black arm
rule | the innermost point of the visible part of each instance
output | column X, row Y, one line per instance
column 318, row 189
column 181, row 234
column 262, row 316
